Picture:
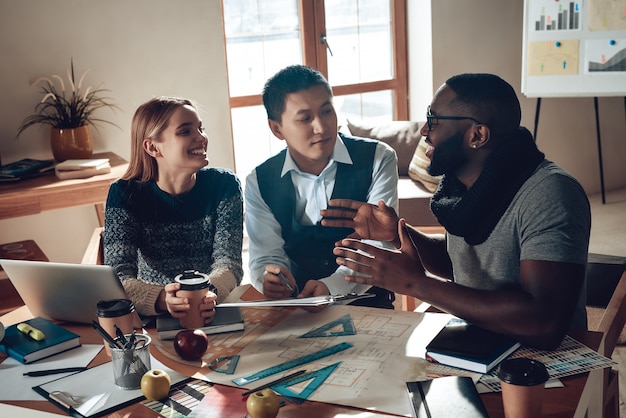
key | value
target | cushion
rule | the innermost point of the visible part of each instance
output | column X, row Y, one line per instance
column 418, row 168
column 402, row 136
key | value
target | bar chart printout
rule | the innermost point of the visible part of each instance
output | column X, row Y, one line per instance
column 553, row 15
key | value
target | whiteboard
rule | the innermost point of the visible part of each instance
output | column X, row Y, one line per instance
column 574, row 48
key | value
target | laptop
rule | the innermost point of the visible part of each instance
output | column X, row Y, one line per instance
column 63, row 291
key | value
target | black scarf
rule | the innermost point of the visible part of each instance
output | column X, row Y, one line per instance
column 472, row 214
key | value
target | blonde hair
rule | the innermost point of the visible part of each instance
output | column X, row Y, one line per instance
column 149, row 121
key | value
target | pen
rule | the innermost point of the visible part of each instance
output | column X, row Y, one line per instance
column 105, row 335
column 33, row 333
column 55, row 371
column 275, row 382
column 120, row 335
column 131, row 341
column 285, row 281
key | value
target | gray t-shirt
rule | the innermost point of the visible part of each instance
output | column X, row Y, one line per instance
column 549, row 219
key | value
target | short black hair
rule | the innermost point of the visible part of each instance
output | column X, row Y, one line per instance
column 489, row 99
column 290, row 80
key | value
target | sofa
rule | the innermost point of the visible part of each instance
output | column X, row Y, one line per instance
column 415, row 185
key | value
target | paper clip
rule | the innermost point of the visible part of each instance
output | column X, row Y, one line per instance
column 64, row 399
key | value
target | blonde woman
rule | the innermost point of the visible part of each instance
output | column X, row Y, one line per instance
column 170, row 212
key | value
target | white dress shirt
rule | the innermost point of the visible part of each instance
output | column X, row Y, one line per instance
column 312, row 195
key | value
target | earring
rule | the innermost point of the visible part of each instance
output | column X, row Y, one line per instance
column 474, row 146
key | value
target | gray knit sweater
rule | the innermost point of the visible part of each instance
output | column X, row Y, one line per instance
column 151, row 236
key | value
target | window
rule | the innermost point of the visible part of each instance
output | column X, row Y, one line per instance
column 359, row 45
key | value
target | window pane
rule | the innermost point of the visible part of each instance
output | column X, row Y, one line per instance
column 376, row 105
column 254, row 141
column 262, row 36
column 359, row 36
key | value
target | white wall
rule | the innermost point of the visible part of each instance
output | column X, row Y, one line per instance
column 139, row 49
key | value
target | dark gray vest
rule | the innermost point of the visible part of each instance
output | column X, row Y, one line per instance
column 310, row 247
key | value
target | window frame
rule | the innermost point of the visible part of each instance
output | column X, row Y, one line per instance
column 312, row 18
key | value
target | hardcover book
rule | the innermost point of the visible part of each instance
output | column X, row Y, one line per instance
column 450, row 396
column 225, row 320
column 25, row 168
column 26, row 350
column 461, row 344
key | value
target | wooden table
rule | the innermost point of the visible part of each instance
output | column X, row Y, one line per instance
column 573, row 400
column 39, row 194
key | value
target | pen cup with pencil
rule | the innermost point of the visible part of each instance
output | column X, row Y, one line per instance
column 115, row 313
column 132, row 361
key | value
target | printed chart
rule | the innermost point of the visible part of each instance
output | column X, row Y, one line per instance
column 605, row 55
column 549, row 15
column 572, row 357
column 553, row 58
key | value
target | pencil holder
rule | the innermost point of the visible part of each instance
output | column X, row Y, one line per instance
column 130, row 363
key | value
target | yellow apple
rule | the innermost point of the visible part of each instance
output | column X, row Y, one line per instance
column 263, row 404
column 155, row 384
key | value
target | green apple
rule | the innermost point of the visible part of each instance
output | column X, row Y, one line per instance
column 263, row 404
column 155, row 384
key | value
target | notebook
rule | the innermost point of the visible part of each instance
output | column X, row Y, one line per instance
column 225, row 320
column 63, row 291
column 464, row 345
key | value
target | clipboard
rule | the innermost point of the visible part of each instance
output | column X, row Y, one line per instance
column 93, row 393
column 299, row 302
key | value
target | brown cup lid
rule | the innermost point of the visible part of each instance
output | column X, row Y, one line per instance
column 114, row 307
column 523, row 372
column 192, row 280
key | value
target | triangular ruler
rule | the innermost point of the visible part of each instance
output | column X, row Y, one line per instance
column 225, row 364
column 317, row 377
column 345, row 325
column 292, row 364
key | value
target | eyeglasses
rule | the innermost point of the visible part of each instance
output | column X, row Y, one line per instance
column 430, row 118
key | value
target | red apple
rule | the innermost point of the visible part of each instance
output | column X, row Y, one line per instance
column 155, row 384
column 263, row 404
column 191, row 344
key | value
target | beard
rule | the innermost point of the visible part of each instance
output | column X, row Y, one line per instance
column 448, row 156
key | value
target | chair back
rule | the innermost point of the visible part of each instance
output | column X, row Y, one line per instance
column 94, row 254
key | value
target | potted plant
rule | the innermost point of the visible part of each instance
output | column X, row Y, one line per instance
column 70, row 113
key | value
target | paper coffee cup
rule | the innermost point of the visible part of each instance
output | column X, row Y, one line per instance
column 120, row 312
column 193, row 286
column 522, row 381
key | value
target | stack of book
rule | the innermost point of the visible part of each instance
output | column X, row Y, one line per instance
column 82, row 168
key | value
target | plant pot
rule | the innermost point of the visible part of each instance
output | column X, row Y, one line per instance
column 73, row 143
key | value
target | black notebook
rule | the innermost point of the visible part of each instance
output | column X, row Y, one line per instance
column 461, row 344
column 445, row 397
column 225, row 320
